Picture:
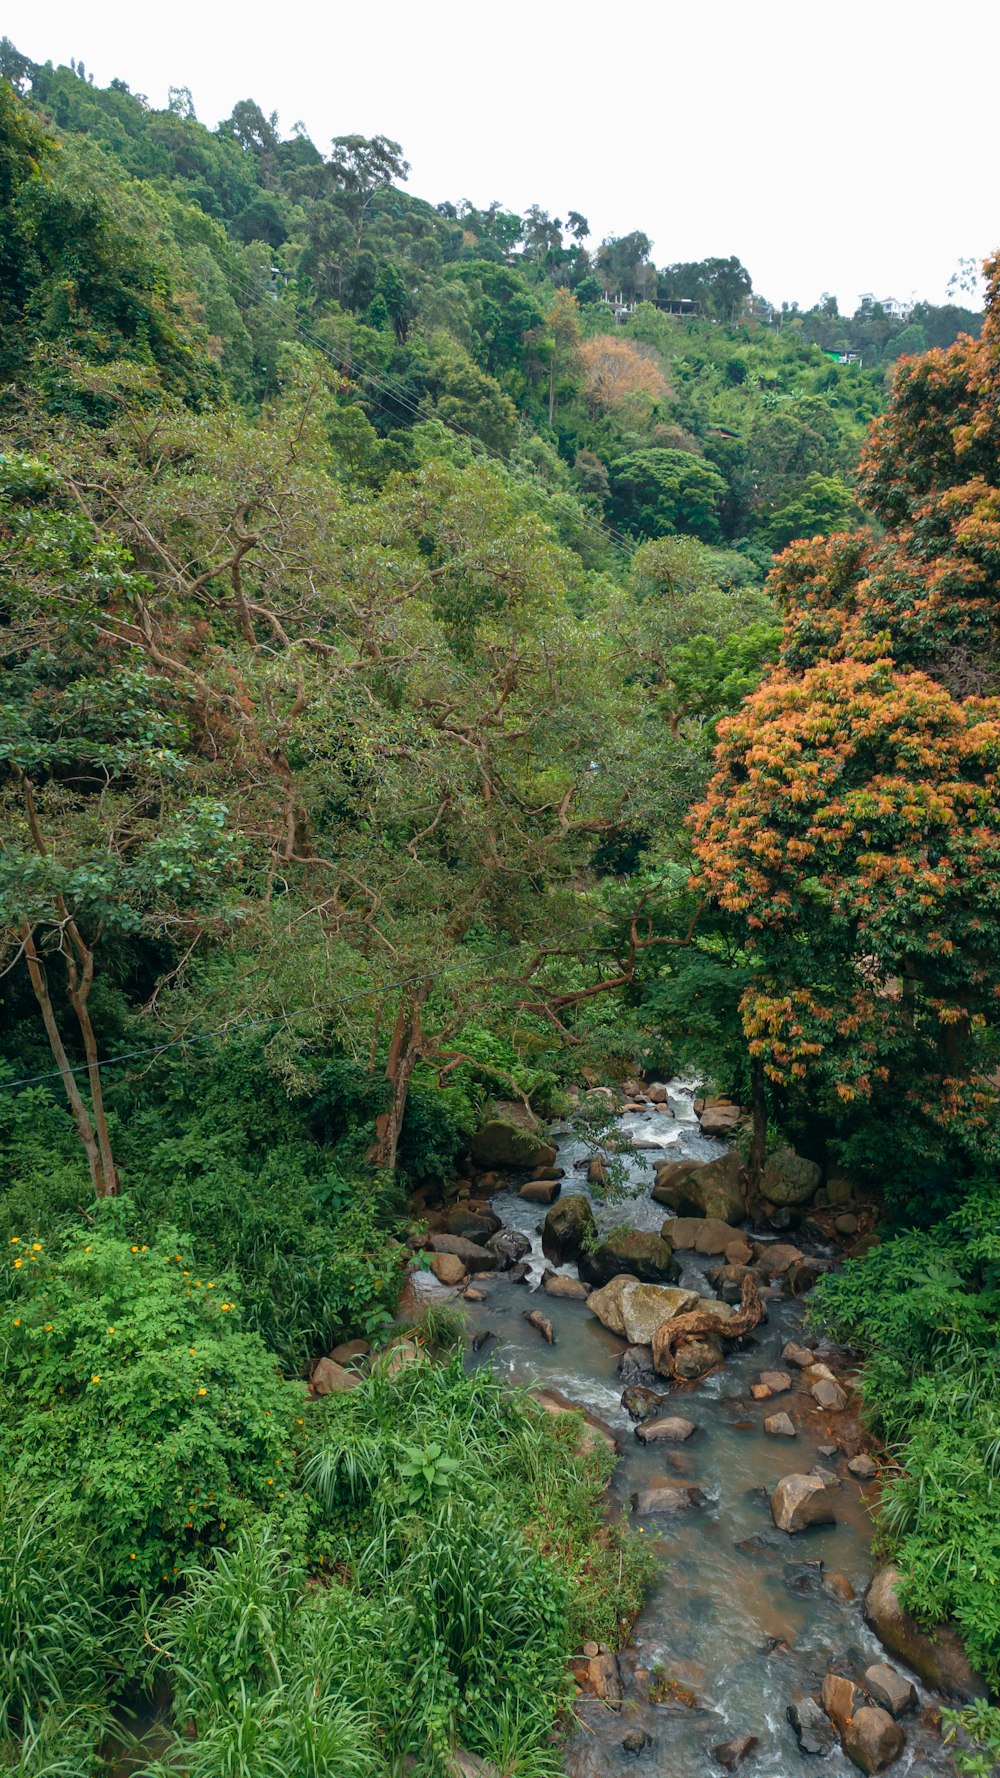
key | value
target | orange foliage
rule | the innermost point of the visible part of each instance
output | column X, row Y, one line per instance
column 615, row 371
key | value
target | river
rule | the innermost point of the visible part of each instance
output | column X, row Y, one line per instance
column 746, row 1626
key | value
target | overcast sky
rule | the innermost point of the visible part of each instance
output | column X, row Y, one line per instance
column 844, row 147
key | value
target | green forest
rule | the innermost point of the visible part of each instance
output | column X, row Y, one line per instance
column 446, row 661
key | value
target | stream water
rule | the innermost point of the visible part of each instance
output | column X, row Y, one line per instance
column 747, row 1627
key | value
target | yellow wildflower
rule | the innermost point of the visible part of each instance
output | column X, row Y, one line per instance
column 95, row 1378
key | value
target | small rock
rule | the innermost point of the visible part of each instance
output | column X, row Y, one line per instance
column 799, row 1501
column 473, row 1257
column 590, row 1649
column 889, row 1689
column 872, row 1739
column 697, row 1354
column 472, row 1295
column 814, row 1731
column 635, row 1367
column 804, row 1577
column 817, row 1373
column 738, row 1253
column 730, row 1753
column 349, row 1351
column 508, row 1246
column 448, row 1268
column 329, row 1378
column 779, row 1426
column 669, row 1497
column 557, row 1284
column 639, row 1403
column 828, row 1395
column 827, row 1476
column 841, row 1698
column 597, row 1171
column 847, row 1224
column 827, row 1450
column 840, row 1587
column 541, row 1191
column 863, row 1466
column 779, row 1382
column 800, row 1356
column 541, row 1324
column 761, row 1391
column 600, row 1676
column 636, row 1742
column 775, row 1258
column 657, row 1093
column 398, row 1357
column 670, row 1427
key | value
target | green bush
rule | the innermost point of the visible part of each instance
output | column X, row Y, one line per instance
column 128, row 1377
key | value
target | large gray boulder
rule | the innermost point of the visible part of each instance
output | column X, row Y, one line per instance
column 938, row 1656
column 606, row 1303
column 892, row 1691
column 503, row 1144
column 644, row 1306
column 647, row 1256
column 568, row 1227
column 799, row 1501
column 476, row 1258
column 872, row 1739
column 697, row 1188
column 699, row 1234
column 788, row 1178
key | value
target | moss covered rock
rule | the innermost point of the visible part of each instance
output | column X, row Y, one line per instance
column 502, row 1144
column 569, row 1227
column 647, row 1256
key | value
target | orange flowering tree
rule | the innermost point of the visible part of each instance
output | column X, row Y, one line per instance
column 851, row 832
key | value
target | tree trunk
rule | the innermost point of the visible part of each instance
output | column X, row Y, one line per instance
column 36, row 973
column 758, row 1112
column 404, row 1054
column 79, row 989
column 552, row 385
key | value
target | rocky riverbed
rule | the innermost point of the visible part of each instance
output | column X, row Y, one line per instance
column 750, row 1470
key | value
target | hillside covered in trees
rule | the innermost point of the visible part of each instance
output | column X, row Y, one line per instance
column 415, row 694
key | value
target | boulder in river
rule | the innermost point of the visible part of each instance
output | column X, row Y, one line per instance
column 779, row 1382
column 788, row 1178
column 939, row 1658
column 775, row 1257
column 779, row 1426
column 606, row 1303
column 635, row 1367
column 700, row 1234
column 841, row 1698
column 557, row 1284
column 475, row 1225
column 540, row 1191
column 448, row 1268
column 503, row 1144
column 696, row 1355
column 640, row 1403
column 872, row 1739
column 712, row 1188
column 719, row 1120
column 800, row 1356
column 813, row 1729
column 599, row 1676
column 731, row 1753
column 568, row 1227
column 508, row 1245
column 644, row 1306
column 649, row 1258
column 799, row 1501
column 863, row 1466
column 892, row 1691
column 665, row 1428
column 827, row 1394
column 667, row 1497
column 474, row 1257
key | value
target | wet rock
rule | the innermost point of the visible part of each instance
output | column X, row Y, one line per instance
column 775, row 1257
column 635, row 1367
column 779, row 1382
column 541, row 1191
column 549, row 1173
column 788, row 1178
column 640, row 1403
column 474, row 1225
column 636, row 1742
column 804, row 1577
column 847, row 1224
column 597, row 1171
column 863, row 1467
column 448, row 1268
column 799, row 1501
column 826, row 1476
column 671, row 1428
column 555, row 1284
column 760, row 1392
column 841, row 1698
column 801, row 1277
column 939, row 1659
column 471, row 1295
column 699, row 1234
column 730, row 1753
column 329, row 1378
column 728, row 1281
column 828, row 1395
column 720, row 1120
column 351, row 1351
column 800, row 1356
column 519, row 1274
column 595, row 1430
column 668, row 1497
column 657, row 1093
column 813, row 1729
column 827, row 1450
column 762, row 1543
column 645, row 1306
column 738, row 1253
column 648, row 1257
column 509, row 1245
column 872, row 1739
column 503, row 1144
column 840, row 1587
column 606, row 1303
column 697, row 1354
column 473, row 1257
column 567, row 1228
column 482, row 1339
column 779, row 1426
column 671, row 1186
column 892, row 1691
column 600, row 1677
column 541, row 1324
column 719, row 1188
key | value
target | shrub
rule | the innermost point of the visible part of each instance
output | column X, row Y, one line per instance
column 127, row 1375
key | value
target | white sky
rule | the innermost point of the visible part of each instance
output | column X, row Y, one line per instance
column 832, row 146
